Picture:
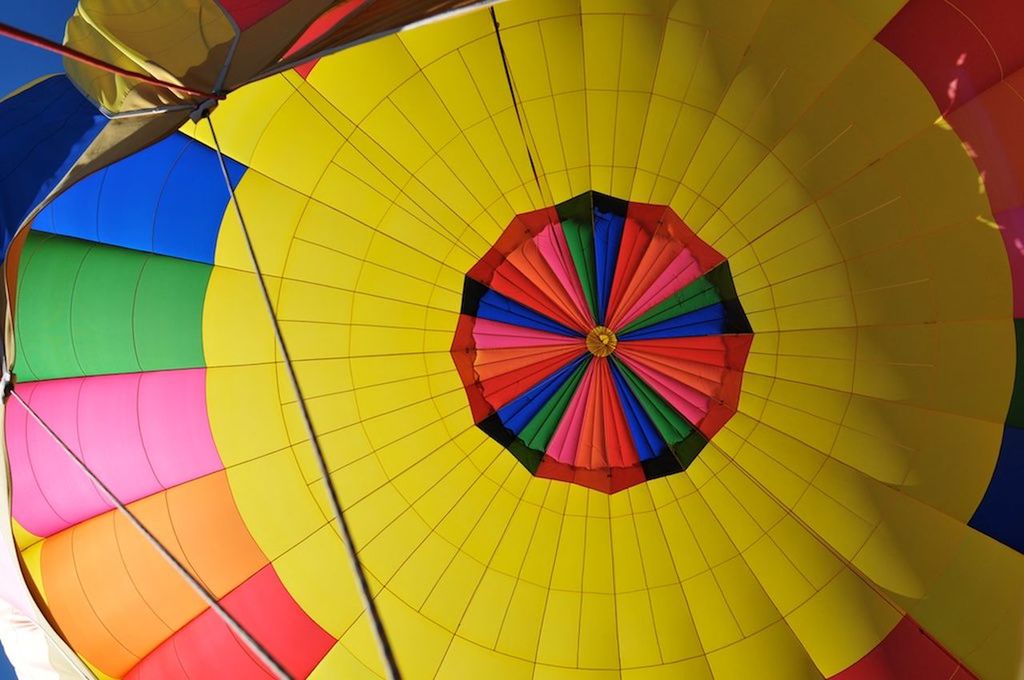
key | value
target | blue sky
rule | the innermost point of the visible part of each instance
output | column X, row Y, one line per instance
column 22, row 64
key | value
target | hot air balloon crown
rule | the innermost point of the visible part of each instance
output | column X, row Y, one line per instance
column 601, row 342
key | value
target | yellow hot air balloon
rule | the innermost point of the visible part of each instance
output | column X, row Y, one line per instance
column 636, row 339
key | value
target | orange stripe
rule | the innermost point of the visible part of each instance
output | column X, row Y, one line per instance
column 115, row 598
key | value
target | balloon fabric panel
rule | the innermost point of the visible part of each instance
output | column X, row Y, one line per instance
column 696, row 400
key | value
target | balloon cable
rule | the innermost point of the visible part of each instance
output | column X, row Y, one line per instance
column 384, row 646
column 73, row 54
column 232, row 623
column 515, row 101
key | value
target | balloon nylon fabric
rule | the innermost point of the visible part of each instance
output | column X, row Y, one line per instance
column 830, row 520
column 574, row 399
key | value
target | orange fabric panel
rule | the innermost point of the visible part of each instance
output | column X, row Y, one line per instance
column 115, row 598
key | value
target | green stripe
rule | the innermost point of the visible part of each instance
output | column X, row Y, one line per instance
column 580, row 238
column 715, row 286
column 672, row 427
column 89, row 309
column 538, row 432
column 697, row 295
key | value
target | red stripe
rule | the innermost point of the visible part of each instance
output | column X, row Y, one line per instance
column 207, row 649
column 971, row 58
column 958, row 49
column 248, row 13
column 906, row 652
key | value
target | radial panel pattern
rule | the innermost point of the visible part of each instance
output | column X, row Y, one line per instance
column 601, row 342
column 853, row 509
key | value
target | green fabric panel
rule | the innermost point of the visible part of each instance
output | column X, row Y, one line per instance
column 1015, row 416
column 529, row 458
column 672, row 427
column 580, row 239
column 697, row 295
column 169, row 313
column 101, row 311
column 538, row 432
column 687, row 450
column 89, row 309
column 42, row 313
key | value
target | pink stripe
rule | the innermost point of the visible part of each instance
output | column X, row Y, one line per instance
column 682, row 271
column 566, row 438
column 689, row 402
column 489, row 334
column 139, row 433
column 552, row 245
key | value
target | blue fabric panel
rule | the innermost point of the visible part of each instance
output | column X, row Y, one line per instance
column 1000, row 511
column 607, row 237
column 496, row 307
column 517, row 413
column 645, row 436
column 168, row 198
column 708, row 320
column 194, row 199
column 43, row 132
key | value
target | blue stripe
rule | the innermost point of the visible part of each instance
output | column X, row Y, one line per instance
column 496, row 307
column 608, row 229
column 43, row 132
column 518, row 413
column 708, row 320
column 168, row 198
column 1000, row 512
column 645, row 436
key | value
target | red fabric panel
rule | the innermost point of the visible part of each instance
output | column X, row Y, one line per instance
column 520, row 229
column 207, row 649
column 958, row 48
column 318, row 29
column 526, row 368
column 969, row 55
column 605, row 440
column 608, row 480
column 247, row 13
column 659, row 217
column 906, row 652
column 464, row 355
column 990, row 126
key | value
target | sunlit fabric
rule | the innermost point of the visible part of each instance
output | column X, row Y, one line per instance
column 643, row 340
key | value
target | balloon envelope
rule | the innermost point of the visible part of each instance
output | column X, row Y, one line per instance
column 642, row 340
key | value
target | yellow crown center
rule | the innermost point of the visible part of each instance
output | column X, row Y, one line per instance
column 601, row 341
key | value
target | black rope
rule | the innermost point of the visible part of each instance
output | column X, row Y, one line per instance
column 262, row 654
column 515, row 101
column 384, row 646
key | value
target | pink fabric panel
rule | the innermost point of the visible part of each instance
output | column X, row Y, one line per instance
column 139, row 433
column 180, row 447
column 48, row 492
column 552, row 245
column 689, row 402
column 566, row 439
column 489, row 334
column 680, row 272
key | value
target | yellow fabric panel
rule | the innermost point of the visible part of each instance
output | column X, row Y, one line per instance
column 170, row 43
column 843, row 617
column 770, row 653
column 341, row 663
column 401, row 177
column 465, row 659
